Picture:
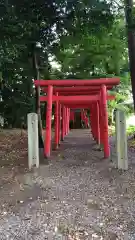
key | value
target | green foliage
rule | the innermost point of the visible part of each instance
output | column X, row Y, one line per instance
column 130, row 130
column 22, row 25
column 122, row 93
column 115, row 104
column 87, row 39
column 94, row 53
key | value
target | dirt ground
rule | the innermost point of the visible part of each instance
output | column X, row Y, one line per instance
column 78, row 196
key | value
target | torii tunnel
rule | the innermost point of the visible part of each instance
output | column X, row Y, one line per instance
column 77, row 94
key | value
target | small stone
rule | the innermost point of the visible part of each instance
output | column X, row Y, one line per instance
column 86, row 234
column 4, row 213
column 27, row 218
column 94, row 235
column 101, row 224
column 56, row 229
column 81, row 230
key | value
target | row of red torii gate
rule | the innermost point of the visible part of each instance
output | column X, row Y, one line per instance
column 77, row 94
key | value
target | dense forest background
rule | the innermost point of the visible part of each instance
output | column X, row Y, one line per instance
column 59, row 39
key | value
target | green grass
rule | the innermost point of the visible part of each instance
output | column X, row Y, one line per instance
column 130, row 130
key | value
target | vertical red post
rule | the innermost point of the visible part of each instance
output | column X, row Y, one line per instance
column 94, row 119
column 105, row 121
column 60, row 125
column 68, row 120
column 65, row 121
column 47, row 145
column 94, row 122
column 56, row 137
column 65, row 109
column 98, row 123
column 63, row 124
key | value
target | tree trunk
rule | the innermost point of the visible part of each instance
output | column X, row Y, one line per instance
column 131, row 42
column 37, row 100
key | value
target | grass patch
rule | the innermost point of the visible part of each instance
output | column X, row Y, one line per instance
column 130, row 130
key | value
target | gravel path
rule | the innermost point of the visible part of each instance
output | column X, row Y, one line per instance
column 79, row 195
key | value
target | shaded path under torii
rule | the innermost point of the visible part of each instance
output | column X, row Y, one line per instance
column 78, row 193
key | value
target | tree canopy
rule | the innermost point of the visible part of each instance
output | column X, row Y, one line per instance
column 86, row 38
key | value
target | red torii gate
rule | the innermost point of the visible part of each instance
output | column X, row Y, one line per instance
column 83, row 94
